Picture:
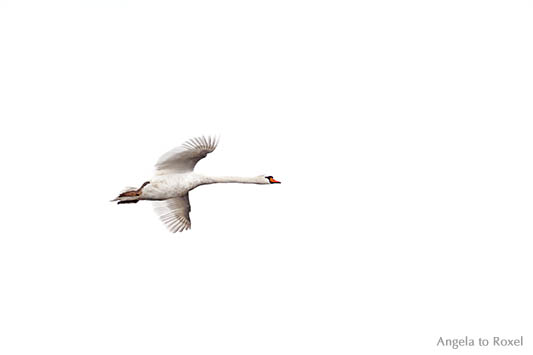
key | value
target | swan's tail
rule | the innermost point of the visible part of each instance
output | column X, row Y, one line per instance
column 130, row 195
column 126, row 199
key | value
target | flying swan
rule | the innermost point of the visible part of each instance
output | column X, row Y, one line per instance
column 174, row 178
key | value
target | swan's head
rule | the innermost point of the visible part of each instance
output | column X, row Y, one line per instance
column 271, row 180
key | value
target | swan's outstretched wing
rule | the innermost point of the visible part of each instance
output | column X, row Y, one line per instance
column 183, row 159
column 174, row 212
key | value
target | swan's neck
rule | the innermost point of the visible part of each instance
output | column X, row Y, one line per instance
column 236, row 179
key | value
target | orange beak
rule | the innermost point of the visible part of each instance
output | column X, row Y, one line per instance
column 274, row 181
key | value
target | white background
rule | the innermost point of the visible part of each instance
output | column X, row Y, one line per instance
column 401, row 131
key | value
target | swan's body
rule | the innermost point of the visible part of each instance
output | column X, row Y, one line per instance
column 174, row 178
column 163, row 187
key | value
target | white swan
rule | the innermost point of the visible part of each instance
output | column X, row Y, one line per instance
column 174, row 178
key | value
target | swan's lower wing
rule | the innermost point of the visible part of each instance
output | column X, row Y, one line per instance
column 174, row 213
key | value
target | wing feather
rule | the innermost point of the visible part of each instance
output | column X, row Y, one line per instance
column 174, row 213
column 184, row 158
